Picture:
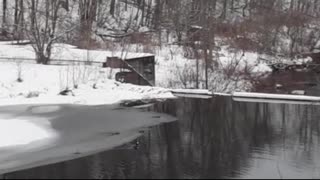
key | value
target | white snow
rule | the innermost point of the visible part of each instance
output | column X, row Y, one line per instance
column 176, row 68
column 275, row 101
column 18, row 132
column 298, row 92
column 192, row 91
column 41, row 84
column 275, row 96
column 37, row 135
column 193, row 95
column 95, row 85
column 64, row 52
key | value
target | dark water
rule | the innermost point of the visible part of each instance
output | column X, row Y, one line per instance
column 215, row 138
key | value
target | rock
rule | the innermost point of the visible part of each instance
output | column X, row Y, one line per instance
column 279, row 86
column 33, row 95
column 134, row 103
column 278, row 66
column 95, row 86
column 19, row 80
column 66, row 93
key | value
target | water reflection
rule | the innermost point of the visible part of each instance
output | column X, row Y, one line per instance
column 215, row 138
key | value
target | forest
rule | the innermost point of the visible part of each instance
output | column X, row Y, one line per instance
column 288, row 27
column 274, row 29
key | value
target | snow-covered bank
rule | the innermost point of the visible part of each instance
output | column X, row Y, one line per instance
column 40, row 84
column 175, row 65
column 176, row 68
column 275, row 98
column 24, row 82
column 192, row 93
column 49, row 134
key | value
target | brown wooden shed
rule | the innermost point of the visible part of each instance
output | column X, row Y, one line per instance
column 139, row 71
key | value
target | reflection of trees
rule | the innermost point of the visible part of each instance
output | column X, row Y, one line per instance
column 219, row 137
column 224, row 131
column 216, row 137
column 307, row 142
column 221, row 134
column 213, row 139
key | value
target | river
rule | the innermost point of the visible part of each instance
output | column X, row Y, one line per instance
column 213, row 138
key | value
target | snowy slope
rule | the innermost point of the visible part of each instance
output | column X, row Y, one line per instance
column 95, row 85
column 42, row 84
column 174, row 70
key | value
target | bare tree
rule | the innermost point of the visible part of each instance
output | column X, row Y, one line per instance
column 43, row 29
column 112, row 7
column 4, row 17
column 18, row 19
column 88, row 12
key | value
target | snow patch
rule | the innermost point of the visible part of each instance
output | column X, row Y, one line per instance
column 275, row 96
column 18, row 132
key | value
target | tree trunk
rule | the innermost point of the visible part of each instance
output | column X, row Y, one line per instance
column 157, row 14
column 4, row 17
column 224, row 10
column 206, row 67
column 21, row 21
column 142, row 13
column 126, row 5
column 43, row 55
column 16, row 10
column 112, row 7
column 196, row 54
column 88, row 12
column 149, row 12
column 18, row 19
column 33, row 14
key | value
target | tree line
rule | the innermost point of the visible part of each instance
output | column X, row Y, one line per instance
column 288, row 27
